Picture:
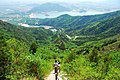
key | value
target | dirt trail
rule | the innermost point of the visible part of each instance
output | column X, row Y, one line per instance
column 52, row 76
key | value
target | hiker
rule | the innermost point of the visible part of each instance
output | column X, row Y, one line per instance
column 58, row 66
column 56, row 69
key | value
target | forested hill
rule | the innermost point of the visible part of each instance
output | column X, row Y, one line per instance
column 48, row 7
column 18, row 46
column 94, row 27
column 82, row 25
column 91, row 28
column 90, row 55
column 24, row 33
column 108, row 27
column 76, row 22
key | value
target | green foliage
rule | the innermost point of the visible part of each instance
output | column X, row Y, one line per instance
column 62, row 46
column 33, row 48
column 72, row 22
column 70, row 57
column 95, row 59
column 106, row 27
column 10, row 56
column 60, row 40
column 106, row 67
column 96, row 63
column 4, row 61
column 118, row 45
column 17, row 63
column 93, row 55
column 25, row 34
column 16, row 50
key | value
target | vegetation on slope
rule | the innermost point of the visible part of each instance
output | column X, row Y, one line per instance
column 24, row 33
column 19, row 60
column 107, row 27
column 94, row 60
column 72, row 22
column 97, row 57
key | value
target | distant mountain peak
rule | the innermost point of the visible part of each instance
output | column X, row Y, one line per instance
column 48, row 7
column 65, row 15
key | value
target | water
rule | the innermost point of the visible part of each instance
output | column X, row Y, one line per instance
column 45, row 27
column 56, row 14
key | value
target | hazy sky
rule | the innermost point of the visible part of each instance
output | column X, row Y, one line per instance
column 50, row 0
column 114, row 2
column 57, row 0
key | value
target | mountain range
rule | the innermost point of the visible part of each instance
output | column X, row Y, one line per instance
column 48, row 7
column 77, row 23
column 93, row 27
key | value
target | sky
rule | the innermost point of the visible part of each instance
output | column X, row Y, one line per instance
column 2, row 2
column 51, row 0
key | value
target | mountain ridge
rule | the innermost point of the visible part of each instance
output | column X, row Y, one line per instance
column 48, row 7
column 67, row 21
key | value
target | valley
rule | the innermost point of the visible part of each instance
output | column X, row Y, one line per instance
column 86, row 41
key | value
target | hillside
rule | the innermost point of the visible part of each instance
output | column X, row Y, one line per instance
column 48, row 7
column 86, row 28
column 83, row 28
column 108, row 27
column 94, row 60
column 29, row 53
column 76, row 22
column 18, row 46
column 23, row 33
column 67, row 22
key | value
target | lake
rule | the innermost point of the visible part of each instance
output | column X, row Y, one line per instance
column 72, row 13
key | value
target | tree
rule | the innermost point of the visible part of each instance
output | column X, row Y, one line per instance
column 119, row 46
column 4, row 61
column 62, row 46
column 33, row 48
column 93, row 55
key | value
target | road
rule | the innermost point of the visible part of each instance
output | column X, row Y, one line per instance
column 52, row 76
